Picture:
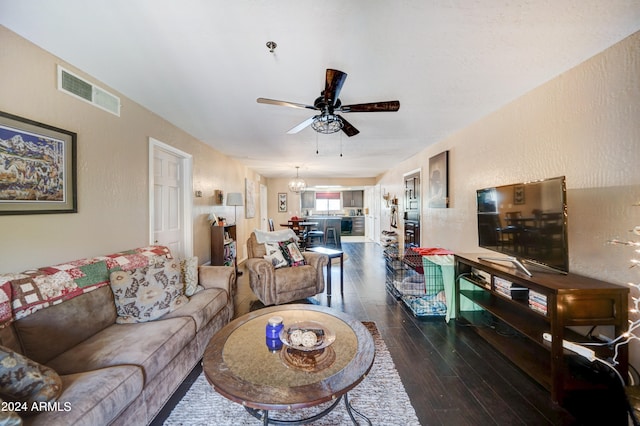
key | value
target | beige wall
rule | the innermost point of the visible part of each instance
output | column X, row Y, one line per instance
column 112, row 169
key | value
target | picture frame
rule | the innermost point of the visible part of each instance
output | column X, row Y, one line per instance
column 38, row 167
column 250, row 198
column 439, row 180
column 282, row 202
column 518, row 194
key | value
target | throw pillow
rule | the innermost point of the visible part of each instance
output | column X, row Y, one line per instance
column 9, row 417
column 274, row 255
column 147, row 293
column 189, row 269
column 25, row 381
column 292, row 253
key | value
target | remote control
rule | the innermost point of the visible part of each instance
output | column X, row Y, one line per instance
column 574, row 347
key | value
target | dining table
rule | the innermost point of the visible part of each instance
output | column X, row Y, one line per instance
column 301, row 228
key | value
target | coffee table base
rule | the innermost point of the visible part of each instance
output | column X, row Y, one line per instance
column 264, row 415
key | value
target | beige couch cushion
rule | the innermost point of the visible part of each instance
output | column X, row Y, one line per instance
column 202, row 306
column 84, row 403
column 151, row 345
column 49, row 332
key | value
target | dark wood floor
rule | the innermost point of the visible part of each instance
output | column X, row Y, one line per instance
column 452, row 376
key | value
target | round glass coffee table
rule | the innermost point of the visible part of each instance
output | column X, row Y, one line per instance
column 244, row 366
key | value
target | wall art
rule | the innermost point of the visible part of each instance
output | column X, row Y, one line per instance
column 37, row 167
column 439, row 180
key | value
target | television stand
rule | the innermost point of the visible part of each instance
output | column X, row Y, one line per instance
column 511, row 259
column 548, row 303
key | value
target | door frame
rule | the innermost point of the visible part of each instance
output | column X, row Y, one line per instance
column 264, row 206
column 186, row 163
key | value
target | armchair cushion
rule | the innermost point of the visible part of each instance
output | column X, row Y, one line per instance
column 292, row 253
column 275, row 255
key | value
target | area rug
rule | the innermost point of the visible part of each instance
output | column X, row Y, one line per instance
column 380, row 396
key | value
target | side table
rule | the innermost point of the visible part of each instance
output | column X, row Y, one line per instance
column 331, row 254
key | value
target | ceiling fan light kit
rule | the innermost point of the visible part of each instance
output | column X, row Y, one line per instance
column 328, row 104
column 326, row 124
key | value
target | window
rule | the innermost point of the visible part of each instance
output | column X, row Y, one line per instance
column 327, row 201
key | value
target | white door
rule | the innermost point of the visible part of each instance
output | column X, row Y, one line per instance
column 170, row 208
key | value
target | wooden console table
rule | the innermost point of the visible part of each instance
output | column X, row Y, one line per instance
column 571, row 300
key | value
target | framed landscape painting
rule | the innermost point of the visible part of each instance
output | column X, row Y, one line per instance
column 37, row 167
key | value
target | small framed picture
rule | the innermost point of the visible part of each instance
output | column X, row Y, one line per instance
column 282, row 202
column 518, row 194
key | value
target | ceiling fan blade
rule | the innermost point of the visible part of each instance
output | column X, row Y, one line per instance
column 304, row 124
column 333, row 84
column 348, row 128
column 284, row 103
column 372, row 107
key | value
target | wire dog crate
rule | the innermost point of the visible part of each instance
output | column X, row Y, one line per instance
column 416, row 281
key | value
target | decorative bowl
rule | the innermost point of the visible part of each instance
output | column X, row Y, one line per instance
column 307, row 336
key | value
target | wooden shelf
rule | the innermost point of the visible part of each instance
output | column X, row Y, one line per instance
column 223, row 250
column 572, row 300
column 534, row 360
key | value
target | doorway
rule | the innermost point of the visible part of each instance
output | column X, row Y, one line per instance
column 170, row 222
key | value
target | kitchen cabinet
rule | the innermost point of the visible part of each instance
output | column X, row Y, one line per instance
column 352, row 199
column 358, row 226
column 308, row 200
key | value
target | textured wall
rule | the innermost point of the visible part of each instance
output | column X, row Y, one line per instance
column 584, row 125
column 112, row 169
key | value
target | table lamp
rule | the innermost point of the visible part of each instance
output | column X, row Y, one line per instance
column 234, row 199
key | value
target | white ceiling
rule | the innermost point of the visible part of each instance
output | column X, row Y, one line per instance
column 202, row 64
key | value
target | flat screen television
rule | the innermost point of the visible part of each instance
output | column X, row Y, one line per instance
column 527, row 222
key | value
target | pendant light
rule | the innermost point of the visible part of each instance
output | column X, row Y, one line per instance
column 297, row 184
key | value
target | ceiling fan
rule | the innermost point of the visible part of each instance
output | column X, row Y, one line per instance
column 328, row 103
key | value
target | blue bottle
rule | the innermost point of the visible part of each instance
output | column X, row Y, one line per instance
column 274, row 327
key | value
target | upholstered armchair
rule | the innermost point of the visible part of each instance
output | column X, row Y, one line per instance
column 275, row 286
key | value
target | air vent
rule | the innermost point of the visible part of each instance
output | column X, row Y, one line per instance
column 82, row 89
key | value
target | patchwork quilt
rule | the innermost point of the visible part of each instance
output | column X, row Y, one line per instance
column 24, row 293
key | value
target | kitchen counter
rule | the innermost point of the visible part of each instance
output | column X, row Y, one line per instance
column 323, row 222
column 349, row 225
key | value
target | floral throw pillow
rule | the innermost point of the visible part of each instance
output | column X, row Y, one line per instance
column 189, row 268
column 274, row 255
column 146, row 294
column 292, row 253
column 25, row 381
column 9, row 417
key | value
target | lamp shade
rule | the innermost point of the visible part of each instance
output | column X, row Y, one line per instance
column 234, row 199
